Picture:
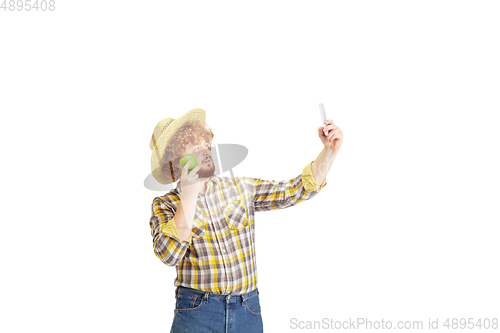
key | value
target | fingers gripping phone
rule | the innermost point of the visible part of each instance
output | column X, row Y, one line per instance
column 323, row 115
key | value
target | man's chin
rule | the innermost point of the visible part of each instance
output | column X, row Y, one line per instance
column 205, row 173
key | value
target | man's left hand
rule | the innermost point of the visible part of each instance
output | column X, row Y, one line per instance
column 335, row 136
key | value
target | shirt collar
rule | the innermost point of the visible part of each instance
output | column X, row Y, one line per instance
column 212, row 179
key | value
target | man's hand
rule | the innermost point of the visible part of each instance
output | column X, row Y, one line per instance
column 335, row 136
column 189, row 181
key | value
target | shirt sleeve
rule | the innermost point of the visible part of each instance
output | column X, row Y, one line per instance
column 269, row 195
column 166, row 241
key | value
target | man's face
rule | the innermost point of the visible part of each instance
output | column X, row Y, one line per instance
column 202, row 152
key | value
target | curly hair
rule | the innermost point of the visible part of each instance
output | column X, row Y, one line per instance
column 191, row 132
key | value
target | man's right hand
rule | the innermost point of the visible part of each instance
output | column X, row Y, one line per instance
column 189, row 182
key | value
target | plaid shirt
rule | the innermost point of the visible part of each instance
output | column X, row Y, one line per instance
column 219, row 256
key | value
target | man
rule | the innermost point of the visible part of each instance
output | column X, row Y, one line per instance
column 205, row 226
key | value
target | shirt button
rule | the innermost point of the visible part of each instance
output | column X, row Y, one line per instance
column 223, row 251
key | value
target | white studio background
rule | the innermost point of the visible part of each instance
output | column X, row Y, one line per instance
column 406, row 228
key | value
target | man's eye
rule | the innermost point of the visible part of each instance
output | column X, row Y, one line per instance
column 206, row 146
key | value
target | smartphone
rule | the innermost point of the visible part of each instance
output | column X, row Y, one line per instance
column 323, row 115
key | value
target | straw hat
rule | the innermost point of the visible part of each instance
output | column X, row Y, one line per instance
column 162, row 134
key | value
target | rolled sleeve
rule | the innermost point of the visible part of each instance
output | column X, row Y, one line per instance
column 270, row 194
column 169, row 229
column 166, row 243
column 308, row 179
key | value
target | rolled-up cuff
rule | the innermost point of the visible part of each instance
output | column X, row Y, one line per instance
column 308, row 179
column 169, row 229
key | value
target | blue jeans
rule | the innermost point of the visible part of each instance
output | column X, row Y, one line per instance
column 200, row 311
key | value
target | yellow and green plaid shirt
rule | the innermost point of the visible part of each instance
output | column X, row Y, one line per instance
column 219, row 256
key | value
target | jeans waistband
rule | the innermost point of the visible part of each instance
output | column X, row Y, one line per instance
column 186, row 291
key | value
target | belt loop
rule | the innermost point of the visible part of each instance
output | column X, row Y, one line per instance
column 243, row 300
column 205, row 297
